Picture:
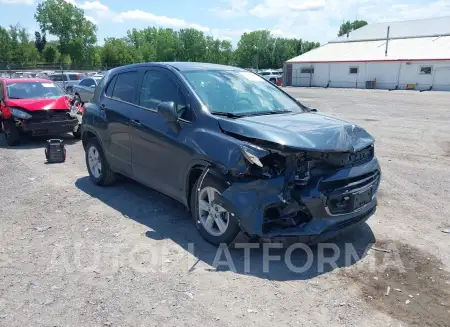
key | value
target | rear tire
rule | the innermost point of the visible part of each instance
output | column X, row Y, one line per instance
column 12, row 133
column 213, row 234
column 97, row 165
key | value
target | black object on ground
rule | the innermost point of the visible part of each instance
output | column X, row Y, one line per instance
column 55, row 152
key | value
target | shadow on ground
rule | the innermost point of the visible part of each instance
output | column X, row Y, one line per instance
column 168, row 219
column 36, row 142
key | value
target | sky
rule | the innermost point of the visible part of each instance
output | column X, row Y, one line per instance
column 312, row 20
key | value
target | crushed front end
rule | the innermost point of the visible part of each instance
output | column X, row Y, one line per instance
column 46, row 122
column 307, row 195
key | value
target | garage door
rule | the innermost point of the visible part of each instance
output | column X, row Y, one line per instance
column 442, row 80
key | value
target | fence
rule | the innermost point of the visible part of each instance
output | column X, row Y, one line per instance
column 9, row 68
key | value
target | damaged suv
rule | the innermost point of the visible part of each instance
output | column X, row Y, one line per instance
column 238, row 151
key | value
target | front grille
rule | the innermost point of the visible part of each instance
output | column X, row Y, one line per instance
column 349, row 184
column 351, row 194
column 344, row 159
column 49, row 115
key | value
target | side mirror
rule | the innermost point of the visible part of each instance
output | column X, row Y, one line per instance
column 168, row 111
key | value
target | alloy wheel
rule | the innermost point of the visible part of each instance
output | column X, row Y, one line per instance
column 213, row 217
column 95, row 162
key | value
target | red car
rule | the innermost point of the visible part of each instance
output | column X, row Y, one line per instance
column 34, row 106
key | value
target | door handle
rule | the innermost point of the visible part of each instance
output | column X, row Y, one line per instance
column 135, row 122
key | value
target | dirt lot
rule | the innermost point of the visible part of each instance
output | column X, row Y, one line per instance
column 72, row 254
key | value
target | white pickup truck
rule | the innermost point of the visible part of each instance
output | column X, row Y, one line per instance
column 271, row 75
column 66, row 80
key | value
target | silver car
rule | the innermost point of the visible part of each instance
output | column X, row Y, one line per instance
column 85, row 89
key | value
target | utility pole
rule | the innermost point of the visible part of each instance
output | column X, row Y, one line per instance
column 387, row 40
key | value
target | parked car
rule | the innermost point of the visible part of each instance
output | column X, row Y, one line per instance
column 85, row 89
column 33, row 106
column 66, row 80
column 271, row 75
column 239, row 152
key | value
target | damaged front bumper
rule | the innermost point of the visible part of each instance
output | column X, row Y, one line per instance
column 326, row 206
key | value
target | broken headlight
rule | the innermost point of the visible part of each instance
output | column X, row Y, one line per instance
column 251, row 154
column 19, row 113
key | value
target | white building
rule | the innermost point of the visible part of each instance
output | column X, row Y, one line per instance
column 416, row 55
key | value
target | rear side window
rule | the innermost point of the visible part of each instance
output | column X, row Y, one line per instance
column 73, row 77
column 124, row 87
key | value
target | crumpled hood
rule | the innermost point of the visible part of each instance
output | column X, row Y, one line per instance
column 306, row 131
column 61, row 103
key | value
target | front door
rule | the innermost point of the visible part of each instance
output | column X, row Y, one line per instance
column 158, row 150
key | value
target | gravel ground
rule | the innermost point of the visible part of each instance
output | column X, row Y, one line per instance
column 73, row 254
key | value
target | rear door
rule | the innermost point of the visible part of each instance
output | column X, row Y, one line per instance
column 158, row 151
column 117, row 105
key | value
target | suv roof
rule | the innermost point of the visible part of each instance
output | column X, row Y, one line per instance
column 182, row 66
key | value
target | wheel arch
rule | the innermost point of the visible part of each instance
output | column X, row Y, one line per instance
column 88, row 134
column 193, row 174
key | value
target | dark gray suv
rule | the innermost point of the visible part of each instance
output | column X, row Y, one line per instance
column 238, row 151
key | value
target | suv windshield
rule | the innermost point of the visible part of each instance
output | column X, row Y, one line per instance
column 33, row 90
column 239, row 93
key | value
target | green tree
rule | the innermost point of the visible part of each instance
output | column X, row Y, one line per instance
column 23, row 51
column 50, row 54
column 117, row 52
column 192, row 45
column 39, row 41
column 5, row 47
column 68, row 23
column 348, row 26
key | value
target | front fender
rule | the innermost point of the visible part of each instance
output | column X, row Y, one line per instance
column 216, row 150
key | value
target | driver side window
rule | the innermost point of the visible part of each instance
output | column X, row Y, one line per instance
column 158, row 87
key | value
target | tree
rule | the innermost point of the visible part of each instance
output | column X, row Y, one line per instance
column 5, row 47
column 23, row 50
column 50, row 54
column 39, row 41
column 347, row 27
column 68, row 23
column 193, row 44
column 76, row 44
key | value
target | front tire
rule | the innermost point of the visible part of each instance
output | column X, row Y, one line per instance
column 76, row 98
column 77, row 133
column 12, row 133
column 97, row 165
column 214, row 223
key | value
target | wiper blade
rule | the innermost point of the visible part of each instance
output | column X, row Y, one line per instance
column 15, row 98
column 226, row 114
column 261, row 113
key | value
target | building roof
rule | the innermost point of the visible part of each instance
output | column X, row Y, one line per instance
column 413, row 40
column 404, row 29
column 413, row 49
